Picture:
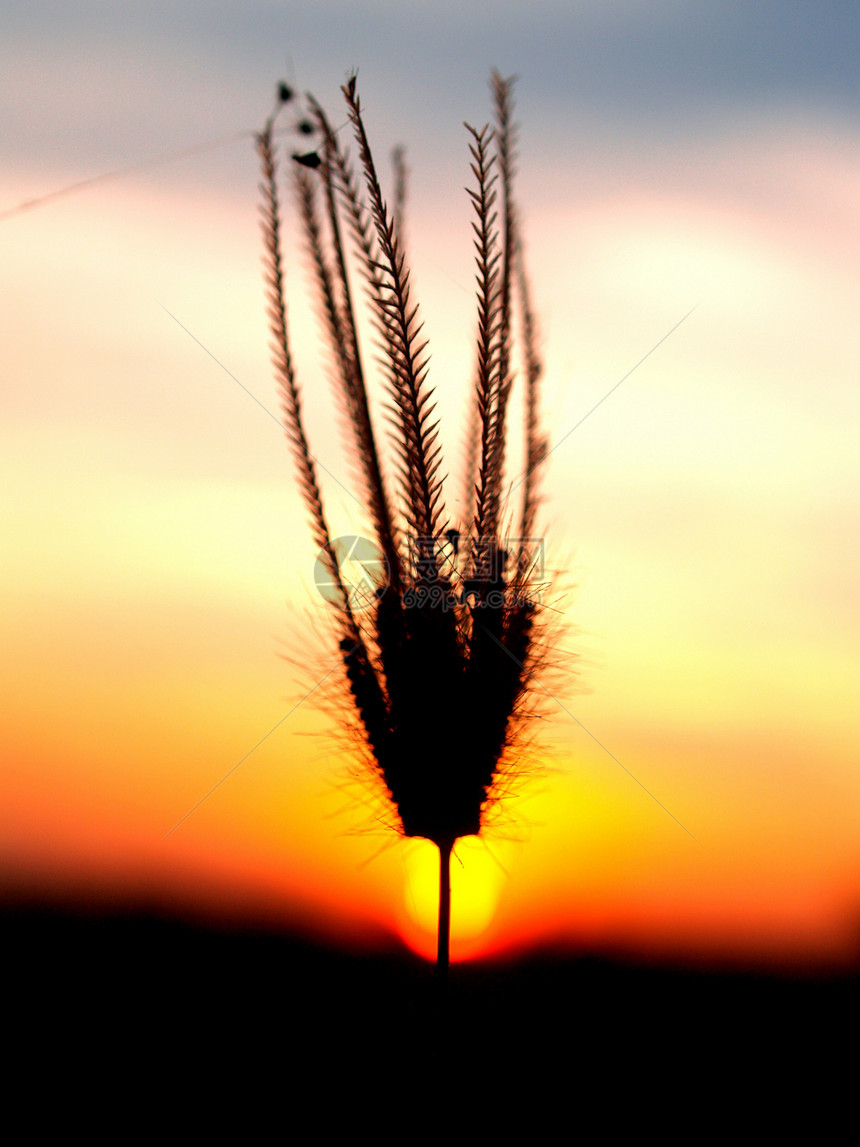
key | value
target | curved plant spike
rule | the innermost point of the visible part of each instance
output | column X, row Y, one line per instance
column 363, row 680
column 449, row 641
column 282, row 361
column 488, row 360
column 420, row 450
column 338, row 306
column 503, row 99
column 536, row 442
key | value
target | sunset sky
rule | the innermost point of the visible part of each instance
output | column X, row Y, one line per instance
column 700, row 787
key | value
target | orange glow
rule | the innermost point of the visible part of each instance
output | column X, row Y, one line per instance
column 157, row 561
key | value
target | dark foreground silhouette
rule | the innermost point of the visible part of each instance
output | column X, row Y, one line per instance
column 129, row 1018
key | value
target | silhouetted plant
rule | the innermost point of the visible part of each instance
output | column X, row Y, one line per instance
column 450, row 634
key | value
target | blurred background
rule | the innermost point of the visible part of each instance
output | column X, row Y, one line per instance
column 689, row 175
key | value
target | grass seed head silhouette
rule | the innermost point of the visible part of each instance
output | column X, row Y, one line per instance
column 450, row 635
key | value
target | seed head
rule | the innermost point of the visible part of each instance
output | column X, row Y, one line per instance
column 447, row 642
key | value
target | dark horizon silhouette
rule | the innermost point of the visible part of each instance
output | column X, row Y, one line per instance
column 141, row 1007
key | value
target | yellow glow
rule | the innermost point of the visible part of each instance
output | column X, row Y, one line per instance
column 476, row 882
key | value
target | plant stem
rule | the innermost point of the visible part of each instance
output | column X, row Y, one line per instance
column 444, row 935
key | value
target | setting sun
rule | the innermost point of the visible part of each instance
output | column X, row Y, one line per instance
column 477, row 880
